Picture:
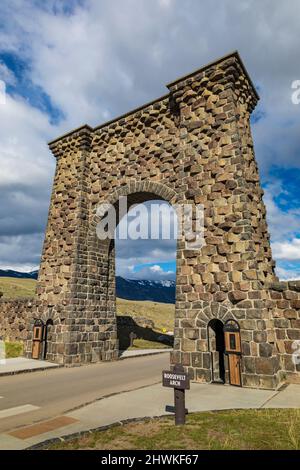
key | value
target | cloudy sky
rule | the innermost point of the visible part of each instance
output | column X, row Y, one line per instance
column 71, row 62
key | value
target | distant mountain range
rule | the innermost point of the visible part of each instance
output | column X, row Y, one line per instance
column 156, row 291
column 130, row 289
column 11, row 273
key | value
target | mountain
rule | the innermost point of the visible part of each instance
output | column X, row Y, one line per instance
column 18, row 274
column 130, row 289
column 156, row 291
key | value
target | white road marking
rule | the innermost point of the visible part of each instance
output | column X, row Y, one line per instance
column 17, row 410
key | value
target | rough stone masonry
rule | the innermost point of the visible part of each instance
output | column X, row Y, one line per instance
column 192, row 145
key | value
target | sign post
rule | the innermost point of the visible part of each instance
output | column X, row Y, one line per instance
column 178, row 380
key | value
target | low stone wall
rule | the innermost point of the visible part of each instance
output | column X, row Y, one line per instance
column 285, row 305
column 14, row 318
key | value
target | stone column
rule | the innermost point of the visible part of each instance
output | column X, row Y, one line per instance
column 63, row 284
column 225, row 279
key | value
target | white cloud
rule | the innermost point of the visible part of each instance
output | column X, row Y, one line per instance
column 7, row 75
column 153, row 273
column 20, row 252
column 288, row 274
column 159, row 270
column 283, row 225
column 24, row 154
column 165, row 3
column 287, row 250
column 156, row 269
column 26, row 173
column 104, row 58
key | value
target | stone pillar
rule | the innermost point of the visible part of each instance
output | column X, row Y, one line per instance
column 63, row 285
column 225, row 279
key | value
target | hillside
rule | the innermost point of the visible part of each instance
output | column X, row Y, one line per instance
column 130, row 289
column 13, row 288
column 161, row 313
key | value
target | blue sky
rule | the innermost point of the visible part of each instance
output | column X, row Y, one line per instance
column 66, row 63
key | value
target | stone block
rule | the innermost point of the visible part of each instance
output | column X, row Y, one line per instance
column 203, row 375
column 265, row 350
column 197, row 360
column 250, row 380
column 188, row 345
column 191, row 333
column 237, row 296
column 268, row 382
column 293, row 334
column 249, row 365
column 265, row 365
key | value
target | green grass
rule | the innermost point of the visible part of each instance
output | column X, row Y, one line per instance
column 268, row 429
column 13, row 349
column 161, row 314
column 14, row 288
column 145, row 344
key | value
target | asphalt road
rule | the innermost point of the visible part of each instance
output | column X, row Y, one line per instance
column 54, row 392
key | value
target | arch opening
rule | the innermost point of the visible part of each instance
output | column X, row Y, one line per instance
column 142, row 273
column 47, row 337
column 216, row 345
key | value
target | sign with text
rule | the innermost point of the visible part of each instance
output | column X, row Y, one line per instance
column 175, row 379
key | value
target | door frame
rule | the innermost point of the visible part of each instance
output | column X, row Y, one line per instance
column 49, row 323
column 232, row 326
column 217, row 331
column 38, row 323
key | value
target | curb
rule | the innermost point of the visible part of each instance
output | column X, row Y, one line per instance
column 120, row 358
column 24, row 371
column 58, row 366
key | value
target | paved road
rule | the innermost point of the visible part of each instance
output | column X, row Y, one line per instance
column 29, row 398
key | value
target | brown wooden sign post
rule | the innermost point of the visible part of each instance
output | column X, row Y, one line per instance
column 178, row 380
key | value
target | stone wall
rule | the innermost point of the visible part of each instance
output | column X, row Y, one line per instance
column 15, row 316
column 285, row 307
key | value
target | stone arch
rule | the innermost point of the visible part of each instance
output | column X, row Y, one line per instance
column 159, row 191
column 101, row 259
column 45, row 315
column 50, row 314
column 213, row 311
column 166, row 150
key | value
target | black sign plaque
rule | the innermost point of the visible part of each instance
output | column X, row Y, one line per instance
column 175, row 380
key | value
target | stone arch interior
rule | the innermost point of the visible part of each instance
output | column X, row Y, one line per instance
column 132, row 200
column 216, row 345
column 47, row 336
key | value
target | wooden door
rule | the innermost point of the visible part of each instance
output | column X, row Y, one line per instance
column 36, row 349
column 37, row 340
column 234, row 361
column 233, row 349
